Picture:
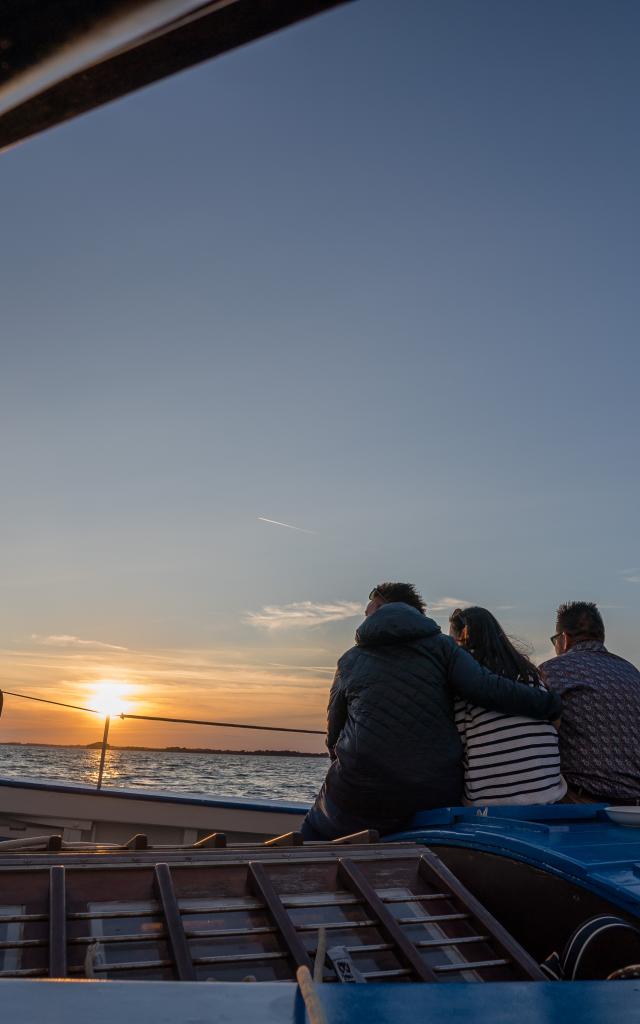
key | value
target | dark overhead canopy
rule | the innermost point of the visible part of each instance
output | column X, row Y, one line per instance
column 60, row 58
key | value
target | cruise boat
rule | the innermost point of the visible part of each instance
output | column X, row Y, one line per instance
column 121, row 903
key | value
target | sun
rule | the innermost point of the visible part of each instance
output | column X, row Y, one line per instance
column 108, row 696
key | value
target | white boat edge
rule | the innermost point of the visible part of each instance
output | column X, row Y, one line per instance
column 79, row 813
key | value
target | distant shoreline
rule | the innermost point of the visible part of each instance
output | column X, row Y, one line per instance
column 164, row 750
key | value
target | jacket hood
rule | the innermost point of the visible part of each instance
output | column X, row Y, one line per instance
column 395, row 623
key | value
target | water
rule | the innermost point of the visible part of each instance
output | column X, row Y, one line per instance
column 250, row 775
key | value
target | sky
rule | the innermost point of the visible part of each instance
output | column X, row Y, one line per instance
column 373, row 277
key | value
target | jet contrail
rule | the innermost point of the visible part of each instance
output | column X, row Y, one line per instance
column 274, row 522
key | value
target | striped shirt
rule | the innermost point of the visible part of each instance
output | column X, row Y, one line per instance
column 508, row 759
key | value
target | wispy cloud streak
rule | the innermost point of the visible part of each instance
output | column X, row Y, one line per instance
column 288, row 526
column 303, row 614
column 67, row 640
column 630, row 575
column 447, row 604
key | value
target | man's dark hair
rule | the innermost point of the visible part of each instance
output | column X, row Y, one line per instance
column 404, row 592
column 581, row 620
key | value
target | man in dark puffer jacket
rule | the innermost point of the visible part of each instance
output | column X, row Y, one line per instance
column 391, row 734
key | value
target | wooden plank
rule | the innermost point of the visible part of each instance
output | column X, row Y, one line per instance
column 57, row 923
column 216, row 839
column 471, row 965
column 430, row 865
column 354, row 877
column 262, row 884
column 288, row 839
column 139, row 841
column 368, row 835
column 177, row 939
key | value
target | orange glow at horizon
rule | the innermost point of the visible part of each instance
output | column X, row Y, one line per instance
column 228, row 685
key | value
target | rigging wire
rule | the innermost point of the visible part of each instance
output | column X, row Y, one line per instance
column 225, row 725
column 176, row 721
column 43, row 700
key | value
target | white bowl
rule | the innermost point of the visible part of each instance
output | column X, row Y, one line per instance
column 629, row 816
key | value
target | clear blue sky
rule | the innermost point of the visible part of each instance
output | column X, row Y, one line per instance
column 376, row 277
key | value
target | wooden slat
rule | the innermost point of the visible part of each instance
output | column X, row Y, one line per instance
column 262, row 884
column 368, row 835
column 177, row 938
column 31, row 972
column 504, row 943
column 419, row 897
column 228, row 933
column 315, row 926
column 470, row 965
column 451, row 941
column 218, row 840
column 139, row 841
column 323, row 899
column 400, row 972
column 356, row 879
column 288, row 839
column 57, row 923
column 137, row 965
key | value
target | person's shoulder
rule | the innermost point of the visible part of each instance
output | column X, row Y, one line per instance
column 348, row 659
column 549, row 668
column 623, row 663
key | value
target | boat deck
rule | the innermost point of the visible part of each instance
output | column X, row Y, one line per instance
column 352, row 912
column 576, row 842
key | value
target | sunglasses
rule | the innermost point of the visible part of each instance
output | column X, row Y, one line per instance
column 376, row 593
column 556, row 636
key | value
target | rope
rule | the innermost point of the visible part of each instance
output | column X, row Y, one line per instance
column 43, row 700
column 225, row 725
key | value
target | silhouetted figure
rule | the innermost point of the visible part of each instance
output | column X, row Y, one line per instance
column 600, row 725
column 391, row 733
column 508, row 759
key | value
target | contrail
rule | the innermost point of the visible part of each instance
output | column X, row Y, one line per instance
column 274, row 522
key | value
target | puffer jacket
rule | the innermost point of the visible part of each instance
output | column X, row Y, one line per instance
column 391, row 733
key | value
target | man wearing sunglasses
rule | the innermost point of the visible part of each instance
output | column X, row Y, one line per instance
column 391, row 733
column 600, row 728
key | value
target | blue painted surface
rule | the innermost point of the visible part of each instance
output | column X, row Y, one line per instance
column 577, row 842
column 149, row 1002
column 191, row 799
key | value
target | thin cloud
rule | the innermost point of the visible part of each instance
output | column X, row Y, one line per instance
column 447, row 604
column 303, row 614
column 288, row 526
column 630, row 575
column 67, row 640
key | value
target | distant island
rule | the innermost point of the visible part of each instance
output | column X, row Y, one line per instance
column 166, row 750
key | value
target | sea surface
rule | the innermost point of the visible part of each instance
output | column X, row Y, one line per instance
column 250, row 775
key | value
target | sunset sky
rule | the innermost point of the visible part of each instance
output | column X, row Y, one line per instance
column 374, row 278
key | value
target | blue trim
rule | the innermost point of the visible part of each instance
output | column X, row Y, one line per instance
column 597, row 1002
column 191, row 799
column 575, row 842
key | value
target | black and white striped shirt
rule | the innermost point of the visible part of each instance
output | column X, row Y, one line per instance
column 508, row 759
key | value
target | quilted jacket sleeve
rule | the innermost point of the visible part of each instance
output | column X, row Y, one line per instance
column 479, row 686
column 336, row 713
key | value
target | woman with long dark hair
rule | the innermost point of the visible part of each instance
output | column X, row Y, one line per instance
column 507, row 759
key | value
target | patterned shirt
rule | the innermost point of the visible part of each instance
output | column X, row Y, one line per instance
column 508, row 759
column 600, row 725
